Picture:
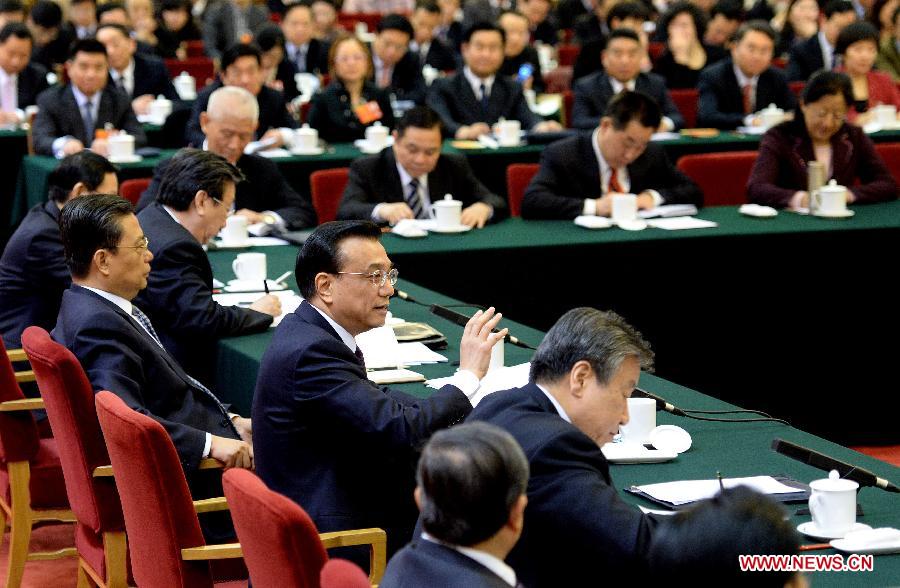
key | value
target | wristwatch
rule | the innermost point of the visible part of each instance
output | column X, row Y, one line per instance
column 269, row 219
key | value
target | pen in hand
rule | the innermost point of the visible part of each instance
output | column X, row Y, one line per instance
column 266, row 285
column 721, row 484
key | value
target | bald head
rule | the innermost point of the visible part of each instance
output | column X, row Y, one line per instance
column 234, row 102
column 230, row 121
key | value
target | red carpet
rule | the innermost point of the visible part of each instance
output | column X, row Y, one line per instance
column 59, row 573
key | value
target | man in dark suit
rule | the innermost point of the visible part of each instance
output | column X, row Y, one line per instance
column 231, row 21
column 241, row 66
column 809, row 56
column 107, row 255
column 196, row 193
column 404, row 180
column 33, row 272
column 263, row 196
column 732, row 90
column 426, row 46
column 51, row 38
column 579, row 175
column 306, row 53
column 622, row 71
column 470, row 490
column 140, row 77
column 471, row 101
column 576, row 525
column 629, row 15
column 324, row 434
column 20, row 80
column 70, row 115
column 396, row 68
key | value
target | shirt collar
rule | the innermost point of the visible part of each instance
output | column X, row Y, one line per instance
column 125, row 305
column 743, row 80
column 476, row 82
column 343, row 333
column 127, row 73
column 494, row 564
column 618, row 86
column 5, row 77
column 595, row 143
column 293, row 49
column 555, row 402
column 405, row 178
column 81, row 99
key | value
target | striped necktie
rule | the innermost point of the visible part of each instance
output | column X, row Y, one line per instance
column 412, row 198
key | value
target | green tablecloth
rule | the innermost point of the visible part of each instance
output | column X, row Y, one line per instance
column 734, row 449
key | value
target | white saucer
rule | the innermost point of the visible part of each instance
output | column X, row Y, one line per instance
column 134, row 158
column 635, row 225
column 456, row 229
column 810, row 530
column 885, row 540
column 836, row 214
column 223, row 245
column 315, row 151
column 253, row 286
column 758, row 211
column 670, row 438
column 593, row 222
column 634, row 453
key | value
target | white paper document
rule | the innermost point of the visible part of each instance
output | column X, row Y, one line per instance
column 687, row 491
column 669, row 210
column 680, row 223
column 382, row 350
column 398, row 376
column 290, row 300
column 497, row 379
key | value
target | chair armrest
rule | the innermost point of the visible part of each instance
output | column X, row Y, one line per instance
column 377, row 538
column 211, row 504
column 22, row 404
column 16, row 355
column 207, row 552
column 25, row 376
column 205, row 464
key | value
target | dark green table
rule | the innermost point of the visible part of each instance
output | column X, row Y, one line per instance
column 734, row 449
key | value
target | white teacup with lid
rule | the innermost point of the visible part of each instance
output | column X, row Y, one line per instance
column 121, row 146
column 771, row 115
column 376, row 135
column 306, row 138
column 185, row 85
column 447, row 212
column 831, row 198
column 832, row 504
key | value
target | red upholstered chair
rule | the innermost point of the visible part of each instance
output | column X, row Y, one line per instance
column 326, row 187
column 686, row 102
column 131, row 190
column 32, row 489
column 797, row 87
column 195, row 48
column 567, row 54
column 568, row 105
column 518, row 176
column 340, row 573
column 69, row 400
column 721, row 176
column 886, row 453
column 164, row 538
column 779, row 62
column 655, row 50
column 201, row 68
column 348, row 20
column 281, row 544
column 890, row 153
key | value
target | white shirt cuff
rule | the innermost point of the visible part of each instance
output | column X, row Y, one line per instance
column 287, row 136
column 58, row 144
column 590, row 207
column 208, row 446
column 468, row 383
column 667, row 124
column 657, row 199
column 376, row 213
column 279, row 222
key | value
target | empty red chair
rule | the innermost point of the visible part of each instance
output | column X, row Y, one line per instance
column 340, row 573
column 201, row 68
column 721, row 176
column 518, row 176
column 164, row 538
column 567, row 54
column 326, row 188
column 69, row 400
column 281, row 544
column 32, row 489
column 686, row 102
column 131, row 190
column 890, row 153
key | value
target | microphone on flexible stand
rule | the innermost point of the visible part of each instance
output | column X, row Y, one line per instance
column 461, row 320
column 823, row 462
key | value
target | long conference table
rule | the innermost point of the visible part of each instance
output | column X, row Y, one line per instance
column 734, row 449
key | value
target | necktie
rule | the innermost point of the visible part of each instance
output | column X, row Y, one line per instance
column 120, row 84
column 746, row 93
column 88, row 118
column 484, row 98
column 359, row 356
column 144, row 321
column 412, row 198
column 614, row 185
column 384, row 80
column 8, row 97
column 301, row 59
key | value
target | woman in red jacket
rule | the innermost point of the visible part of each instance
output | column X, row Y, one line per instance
column 858, row 46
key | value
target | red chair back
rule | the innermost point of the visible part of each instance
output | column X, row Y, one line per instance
column 568, row 105
column 69, row 401
column 159, row 514
column 326, row 187
column 340, row 573
column 890, row 153
column 195, row 48
column 518, row 176
column 201, row 68
column 686, row 102
column 131, row 190
column 280, row 541
column 797, row 87
column 779, row 62
column 721, row 176
column 567, row 54
column 19, row 439
column 348, row 20
column 655, row 49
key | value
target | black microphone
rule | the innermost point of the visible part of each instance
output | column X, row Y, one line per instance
column 661, row 403
column 404, row 296
column 461, row 320
column 823, row 462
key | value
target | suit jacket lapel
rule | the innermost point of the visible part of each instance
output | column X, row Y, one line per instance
column 593, row 172
column 394, row 187
column 468, row 97
column 81, row 133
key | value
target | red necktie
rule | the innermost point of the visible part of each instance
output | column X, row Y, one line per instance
column 614, row 185
column 745, row 92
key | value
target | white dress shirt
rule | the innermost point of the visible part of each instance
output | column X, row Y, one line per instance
column 497, row 566
column 405, row 179
column 827, row 51
column 556, row 404
column 7, row 79
column 127, row 77
column 475, row 82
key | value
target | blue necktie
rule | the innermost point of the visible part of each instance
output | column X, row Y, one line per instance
column 484, row 98
column 412, row 198
column 88, row 118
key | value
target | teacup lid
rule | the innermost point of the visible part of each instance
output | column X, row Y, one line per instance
column 447, row 201
column 306, row 129
column 832, row 186
column 184, row 75
column 772, row 108
column 833, row 482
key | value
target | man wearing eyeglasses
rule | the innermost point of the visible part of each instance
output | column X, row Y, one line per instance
column 325, row 435
column 117, row 345
column 196, row 193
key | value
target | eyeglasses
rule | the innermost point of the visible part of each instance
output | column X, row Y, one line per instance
column 145, row 244
column 378, row 277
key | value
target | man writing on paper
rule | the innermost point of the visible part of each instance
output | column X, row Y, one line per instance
column 196, row 193
column 404, row 180
column 325, row 435
column 579, row 175
column 576, row 525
